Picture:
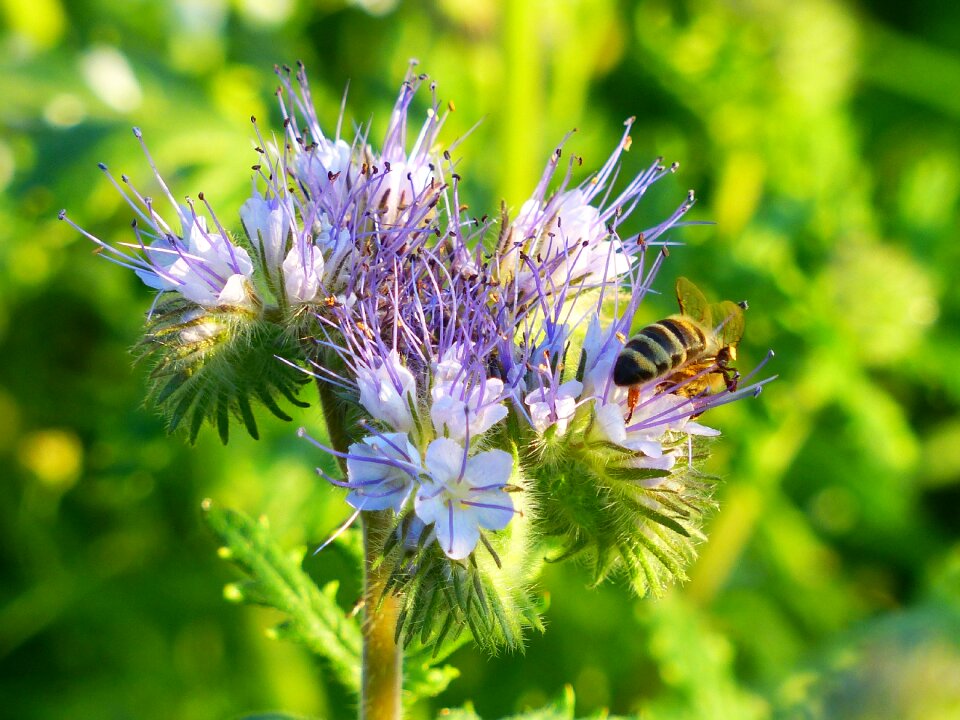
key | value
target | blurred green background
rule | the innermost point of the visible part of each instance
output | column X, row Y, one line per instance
column 821, row 137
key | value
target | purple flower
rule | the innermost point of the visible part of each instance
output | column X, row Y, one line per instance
column 269, row 225
column 387, row 391
column 460, row 495
column 464, row 405
column 380, row 472
column 553, row 407
column 204, row 266
column 456, row 334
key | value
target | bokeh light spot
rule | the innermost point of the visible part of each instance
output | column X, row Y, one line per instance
column 110, row 77
column 266, row 13
column 54, row 456
column 835, row 509
column 41, row 22
column 29, row 264
column 64, row 110
column 375, row 7
column 592, row 688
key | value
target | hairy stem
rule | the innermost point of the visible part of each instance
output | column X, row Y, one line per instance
column 333, row 416
column 382, row 671
column 382, row 662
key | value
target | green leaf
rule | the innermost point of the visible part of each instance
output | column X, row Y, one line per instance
column 560, row 709
column 699, row 665
column 276, row 580
column 422, row 679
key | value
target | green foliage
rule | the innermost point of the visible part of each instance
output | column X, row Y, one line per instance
column 697, row 664
column 560, row 709
column 215, row 365
column 277, row 580
column 314, row 619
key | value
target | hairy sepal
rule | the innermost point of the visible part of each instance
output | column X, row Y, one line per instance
column 215, row 365
column 596, row 504
column 489, row 593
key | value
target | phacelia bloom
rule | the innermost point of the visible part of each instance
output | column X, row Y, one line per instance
column 387, row 391
column 462, row 403
column 475, row 356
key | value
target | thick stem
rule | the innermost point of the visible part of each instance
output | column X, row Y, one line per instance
column 382, row 663
column 382, row 672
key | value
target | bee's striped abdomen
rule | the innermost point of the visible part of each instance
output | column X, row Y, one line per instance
column 658, row 349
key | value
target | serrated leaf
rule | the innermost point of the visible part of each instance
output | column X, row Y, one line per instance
column 277, row 580
column 560, row 709
column 421, row 680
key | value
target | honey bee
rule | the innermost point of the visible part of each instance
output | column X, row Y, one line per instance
column 686, row 353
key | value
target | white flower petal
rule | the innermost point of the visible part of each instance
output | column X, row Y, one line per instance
column 267, row 227
column 492, row 467
column 381, row 485
column 694, row 428
column 664, row 462
column 302, row 273
column 457, row 533
column 444, row 460
column 610, row 421
column 234, row 293
column 382, row 398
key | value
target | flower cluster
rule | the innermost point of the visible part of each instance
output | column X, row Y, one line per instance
column 479, row 352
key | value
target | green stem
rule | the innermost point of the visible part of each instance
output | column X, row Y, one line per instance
column 382, row 671
column 332, row 415
column 382, row 661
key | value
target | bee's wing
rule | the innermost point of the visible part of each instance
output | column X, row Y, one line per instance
column 693, row 302
column 729, row 316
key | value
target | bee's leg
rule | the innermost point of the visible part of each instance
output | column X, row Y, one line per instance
column 732, row 378
column 633, row 398
column 730, row 375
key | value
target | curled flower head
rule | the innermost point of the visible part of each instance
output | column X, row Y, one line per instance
column 203, row 266
column 268, row 226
